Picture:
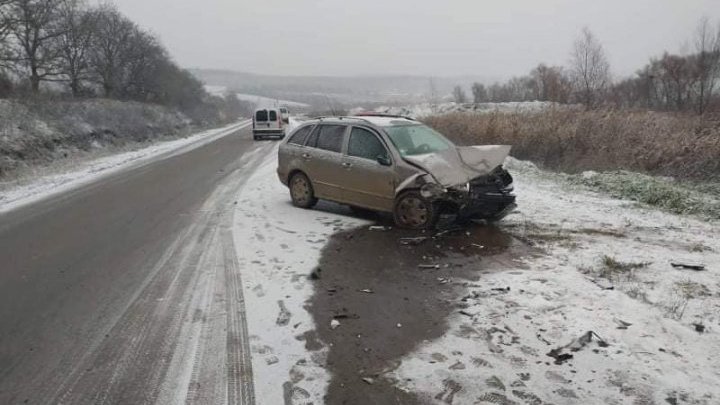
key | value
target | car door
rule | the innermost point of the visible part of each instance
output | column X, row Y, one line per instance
column 323, row 160
column 366, row 181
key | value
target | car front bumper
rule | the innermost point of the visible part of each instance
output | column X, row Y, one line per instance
column 490, row 206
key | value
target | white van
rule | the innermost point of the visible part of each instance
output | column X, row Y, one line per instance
column 285, row 114
column 268, row 123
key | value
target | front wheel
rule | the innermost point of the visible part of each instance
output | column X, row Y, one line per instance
column 301, row 191
column 413, row 211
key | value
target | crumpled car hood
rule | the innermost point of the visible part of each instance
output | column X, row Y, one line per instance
column 461, row 164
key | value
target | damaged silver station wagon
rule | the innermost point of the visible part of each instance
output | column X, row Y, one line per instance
column 397, row 165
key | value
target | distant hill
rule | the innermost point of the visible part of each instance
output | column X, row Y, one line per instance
column 346, row 90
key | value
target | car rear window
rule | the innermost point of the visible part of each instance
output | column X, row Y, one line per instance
column 328, row 137
column 300, row 135
column 261, row 115
column 365, row 144
column 273, row 115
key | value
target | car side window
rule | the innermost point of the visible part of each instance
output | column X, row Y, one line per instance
column 300, row 135
column 330, row 137
column 273, row 115
column 365, row 144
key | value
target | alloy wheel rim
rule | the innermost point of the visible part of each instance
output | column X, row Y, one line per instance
column 413, row 212
column 300, row 190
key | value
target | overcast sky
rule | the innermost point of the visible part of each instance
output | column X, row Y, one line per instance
column 492, row 38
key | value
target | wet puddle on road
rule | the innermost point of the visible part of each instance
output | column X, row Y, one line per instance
column 389, row 297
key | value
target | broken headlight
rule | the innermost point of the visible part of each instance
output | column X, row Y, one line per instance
column 429, row 190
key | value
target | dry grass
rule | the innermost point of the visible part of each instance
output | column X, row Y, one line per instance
column 667, row 144
column 613, row 269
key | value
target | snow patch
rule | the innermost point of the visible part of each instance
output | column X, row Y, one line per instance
column 88, row 172
column 513, row 316
column 260, row 101
column 278, row 247
column 426, row 109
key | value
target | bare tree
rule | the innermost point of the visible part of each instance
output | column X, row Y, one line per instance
column 590, row 68
column 707, row 46
column 550, row 84
column 111, row 48
column 6, row 23
column 459, row 95
column 480, row 94
column 77, row 27
column 33, row 32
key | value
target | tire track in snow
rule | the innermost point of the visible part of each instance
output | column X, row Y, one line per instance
column 240, row 380
column 132, row 365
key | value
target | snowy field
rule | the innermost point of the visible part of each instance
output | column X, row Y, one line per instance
column 427, row 109
column 36, row 189
column 260, row 101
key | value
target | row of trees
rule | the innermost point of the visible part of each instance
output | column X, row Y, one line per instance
column 671, row 82
column 88, row 51
column 676, row 82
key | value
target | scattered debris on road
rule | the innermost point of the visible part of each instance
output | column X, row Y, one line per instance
column 413, row 241
column 622, row 324
column 428, row 266
column 334, row 324
column 688, row 266
column 369, row 380
column 380, row 228
column 577, row 344
column 366, row 291
column 699, row 328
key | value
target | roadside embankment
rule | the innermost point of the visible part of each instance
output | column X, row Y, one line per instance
column 36, row 133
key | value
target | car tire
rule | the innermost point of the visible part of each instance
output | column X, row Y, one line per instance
column 301, row 191
column 413, row 211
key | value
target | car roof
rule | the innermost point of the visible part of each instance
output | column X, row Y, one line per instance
column 381, row 121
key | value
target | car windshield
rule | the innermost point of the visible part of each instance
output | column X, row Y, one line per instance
column 416, row 139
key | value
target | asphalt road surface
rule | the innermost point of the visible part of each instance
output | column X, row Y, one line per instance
column 128, row 290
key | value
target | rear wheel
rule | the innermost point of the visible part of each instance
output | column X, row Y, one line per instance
column 301, row 191
column 413, row 211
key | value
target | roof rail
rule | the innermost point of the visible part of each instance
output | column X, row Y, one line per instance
column 362, row 117
column 377, row 114
column 338, row 117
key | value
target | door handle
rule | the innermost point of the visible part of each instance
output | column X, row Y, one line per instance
column 347, row 165
column 306, row 156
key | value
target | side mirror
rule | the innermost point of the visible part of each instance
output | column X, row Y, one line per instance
column 384, row 160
